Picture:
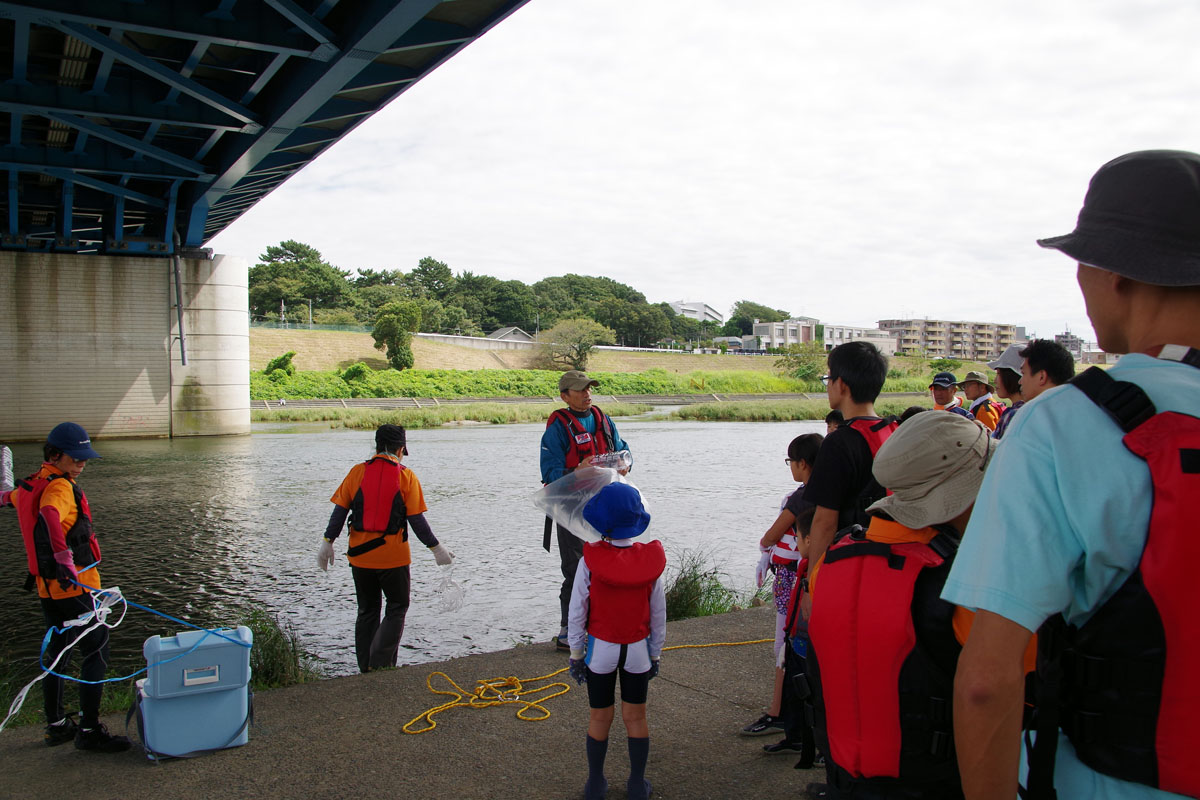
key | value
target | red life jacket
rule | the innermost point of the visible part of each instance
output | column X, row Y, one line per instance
column 378, row 506
column 80, row 539
column 875, row 432
column 882, row 660
column 622, row 578
column 1123, row 686
column 581, row 444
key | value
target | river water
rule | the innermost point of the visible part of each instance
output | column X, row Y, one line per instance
column 199, row 527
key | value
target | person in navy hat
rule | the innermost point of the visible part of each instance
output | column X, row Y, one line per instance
column 63, row 558
column 1084, row 527
column 616, row 628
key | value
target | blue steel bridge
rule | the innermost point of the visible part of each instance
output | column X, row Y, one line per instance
column 146, row 127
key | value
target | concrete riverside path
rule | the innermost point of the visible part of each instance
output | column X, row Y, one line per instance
column 342, row 738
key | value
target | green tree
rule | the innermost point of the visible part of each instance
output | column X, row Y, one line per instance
column 803, row 361
column 744, row 312
column 569, row 343
column 383, row 277
column 394, row 326
column 295, row 272
column 512, row 303
column 283, row 362
column 434, row 277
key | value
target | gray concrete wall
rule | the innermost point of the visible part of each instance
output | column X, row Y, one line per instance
column 91, row 339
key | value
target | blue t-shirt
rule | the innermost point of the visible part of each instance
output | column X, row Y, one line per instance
column 1060, row 522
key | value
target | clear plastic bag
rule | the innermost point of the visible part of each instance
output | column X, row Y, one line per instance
column 564, row 499
column 450, row 593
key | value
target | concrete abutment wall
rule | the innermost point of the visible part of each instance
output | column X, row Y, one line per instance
column 94, row 339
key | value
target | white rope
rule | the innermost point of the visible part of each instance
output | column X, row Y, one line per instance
column 103, row 601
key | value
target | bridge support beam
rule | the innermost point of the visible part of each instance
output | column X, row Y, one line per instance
column 94, row 339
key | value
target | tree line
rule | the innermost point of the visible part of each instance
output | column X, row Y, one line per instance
column 293, row 277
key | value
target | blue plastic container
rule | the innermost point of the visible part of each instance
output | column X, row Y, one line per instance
column 196, row 693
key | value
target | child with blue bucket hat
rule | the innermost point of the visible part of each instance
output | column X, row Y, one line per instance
column 616, row 628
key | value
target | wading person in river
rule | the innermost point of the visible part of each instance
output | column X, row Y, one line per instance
column 63, row 556
column 573, row 435
column 383, row 499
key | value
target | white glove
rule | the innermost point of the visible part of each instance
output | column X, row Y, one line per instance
column 325, row 554
column 441, row 555
column 763, row 569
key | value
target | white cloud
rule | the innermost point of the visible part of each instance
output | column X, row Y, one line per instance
column 850, row 161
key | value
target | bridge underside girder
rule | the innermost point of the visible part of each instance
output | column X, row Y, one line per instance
column 133, row 126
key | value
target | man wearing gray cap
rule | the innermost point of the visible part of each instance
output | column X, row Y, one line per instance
column 573, row 435
column 884, row 644
column 1079, row 532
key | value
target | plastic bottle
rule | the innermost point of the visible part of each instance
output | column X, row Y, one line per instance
column 6, row 469
column 619, row 460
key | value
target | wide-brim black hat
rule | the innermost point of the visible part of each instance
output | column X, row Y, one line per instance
column 1141, row 219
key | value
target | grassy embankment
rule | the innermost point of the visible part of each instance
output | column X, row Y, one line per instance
column 446, row 371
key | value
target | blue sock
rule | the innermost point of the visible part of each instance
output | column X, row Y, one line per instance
column 596, row 786
column 639, row 751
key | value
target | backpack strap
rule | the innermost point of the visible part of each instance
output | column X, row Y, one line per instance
column 1127, row 404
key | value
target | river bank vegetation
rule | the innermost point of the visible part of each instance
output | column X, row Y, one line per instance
column 430, row 416
column 359, row 380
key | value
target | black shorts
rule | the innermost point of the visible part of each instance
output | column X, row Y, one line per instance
column 602, row 688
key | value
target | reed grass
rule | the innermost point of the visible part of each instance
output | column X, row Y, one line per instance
column 277, row 658
column 431, row 416
column 695, row 589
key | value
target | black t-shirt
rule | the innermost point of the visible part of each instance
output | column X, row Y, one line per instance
column 842, row 471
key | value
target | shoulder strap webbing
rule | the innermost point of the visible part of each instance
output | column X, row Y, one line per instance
column 1127, row 404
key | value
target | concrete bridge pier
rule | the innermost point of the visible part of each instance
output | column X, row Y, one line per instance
column 95, row 340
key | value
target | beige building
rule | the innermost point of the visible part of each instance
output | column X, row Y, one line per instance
column 778, row 335
column 962, row 339
column 840, row 334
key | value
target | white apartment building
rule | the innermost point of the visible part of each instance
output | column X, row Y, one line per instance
column 777, row 335
column 696, row 310
column 840, row 334
column 963, row 339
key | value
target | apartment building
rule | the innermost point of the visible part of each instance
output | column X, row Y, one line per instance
column 777, row 335
column 962, row 339
column 840, row 334
column 1072, row 342
column 698, row 311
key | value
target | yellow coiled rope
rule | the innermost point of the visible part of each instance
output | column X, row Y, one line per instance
column 513, row 691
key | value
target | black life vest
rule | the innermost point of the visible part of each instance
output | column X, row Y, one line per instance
column 875, row 432
column 80, row 539
column 1123, row 686
column 882, row 659
column 378, row 506
column 581, row 444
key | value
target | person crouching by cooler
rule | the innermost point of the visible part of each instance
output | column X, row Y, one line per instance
column 884, row 644
column 63, row 556
column 616, row 627
column 383, row 499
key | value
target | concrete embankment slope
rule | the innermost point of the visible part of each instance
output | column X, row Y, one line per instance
column 341, row 738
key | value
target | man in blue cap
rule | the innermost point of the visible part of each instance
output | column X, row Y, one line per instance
column 63, row 556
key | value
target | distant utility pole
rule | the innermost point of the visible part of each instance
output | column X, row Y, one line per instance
column 310, row 312
column 282, row 314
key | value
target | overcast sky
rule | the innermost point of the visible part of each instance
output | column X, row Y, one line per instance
column 851, row 161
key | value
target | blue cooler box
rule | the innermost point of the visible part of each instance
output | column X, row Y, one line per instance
column 195, row 699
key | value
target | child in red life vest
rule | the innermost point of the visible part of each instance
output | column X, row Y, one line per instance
column 616, row 627
column 781, row 554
